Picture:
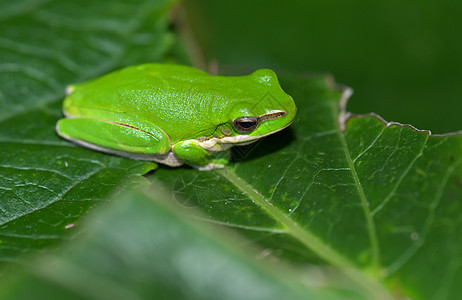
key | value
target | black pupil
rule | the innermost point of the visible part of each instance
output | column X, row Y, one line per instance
column 247, row 124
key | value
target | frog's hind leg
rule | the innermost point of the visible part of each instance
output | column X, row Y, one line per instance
column 118, row 138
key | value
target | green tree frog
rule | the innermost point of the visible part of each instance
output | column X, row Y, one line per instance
column 174, row 114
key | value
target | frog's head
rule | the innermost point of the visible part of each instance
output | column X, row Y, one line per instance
column 264, row 110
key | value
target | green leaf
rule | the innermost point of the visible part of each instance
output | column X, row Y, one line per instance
column 380, row 201
column 140, row 248
column 46, row 184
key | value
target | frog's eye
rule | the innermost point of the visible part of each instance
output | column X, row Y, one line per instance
column 246, row 124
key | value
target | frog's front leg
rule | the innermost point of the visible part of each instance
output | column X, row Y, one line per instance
column 193, row 154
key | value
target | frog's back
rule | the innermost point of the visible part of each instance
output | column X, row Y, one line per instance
column 168, row 95
column 134, row 89
column 129, row 84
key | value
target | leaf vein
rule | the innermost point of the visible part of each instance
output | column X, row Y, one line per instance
column 398, row 182
column 372, row 231
column 406, row 256
column 371, row 145
column 59, row 197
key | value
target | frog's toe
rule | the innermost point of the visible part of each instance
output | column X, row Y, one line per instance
column 210, row 166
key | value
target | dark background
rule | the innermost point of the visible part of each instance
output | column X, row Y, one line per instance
column 402, row 58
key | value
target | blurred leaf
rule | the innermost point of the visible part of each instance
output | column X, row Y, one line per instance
column 377, row 200
column 46, row 184
column 140, row 249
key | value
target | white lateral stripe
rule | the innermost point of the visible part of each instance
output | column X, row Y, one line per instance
column 229, row 141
